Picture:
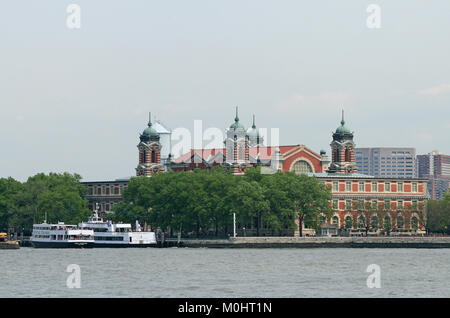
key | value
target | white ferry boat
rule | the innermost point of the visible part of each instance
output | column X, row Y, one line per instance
column 109, row 234
column 61, row 236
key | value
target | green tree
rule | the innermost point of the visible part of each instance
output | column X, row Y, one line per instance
column 60, row 197
column 9, row 189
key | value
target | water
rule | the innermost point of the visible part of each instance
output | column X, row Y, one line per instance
column 186, row 272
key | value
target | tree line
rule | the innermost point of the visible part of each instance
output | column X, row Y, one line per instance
column 60, row 197
column 438, row 215
column 203, row 202
column 199, row 202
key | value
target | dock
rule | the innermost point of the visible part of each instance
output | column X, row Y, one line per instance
column 9, row 245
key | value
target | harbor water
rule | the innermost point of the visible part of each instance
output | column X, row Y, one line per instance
column 208, row 272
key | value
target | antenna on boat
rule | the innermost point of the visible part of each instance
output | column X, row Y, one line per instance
column 45, row 220
column 96, row 211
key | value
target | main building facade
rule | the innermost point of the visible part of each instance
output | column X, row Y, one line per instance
column 360, row 201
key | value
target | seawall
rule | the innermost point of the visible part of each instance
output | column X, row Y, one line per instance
column 319, row 242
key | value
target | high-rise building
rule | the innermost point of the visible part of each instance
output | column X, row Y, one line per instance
column 387, row 162
column 435, row 166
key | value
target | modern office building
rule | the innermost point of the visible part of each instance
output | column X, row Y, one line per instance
column 435, row 166
column 387, row 162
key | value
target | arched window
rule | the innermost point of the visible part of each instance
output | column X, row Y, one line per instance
column 387, row 225
column 335, row 220
column 414, row 223
column 153, row 156
column 347, row 155
column 374, row 223
column 400, row 222
column 361, row 222
column 301, row 167
column 348, row 223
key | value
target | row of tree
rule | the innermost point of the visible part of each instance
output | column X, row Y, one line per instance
column 204, row 201
column 194, row 202
column 60, row 197
column 438, row 215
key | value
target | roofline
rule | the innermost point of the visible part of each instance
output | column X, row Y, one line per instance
column 107, row 181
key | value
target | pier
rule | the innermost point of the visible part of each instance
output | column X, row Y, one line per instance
column 9, row 245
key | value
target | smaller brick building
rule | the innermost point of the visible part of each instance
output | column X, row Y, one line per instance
column 105, row 193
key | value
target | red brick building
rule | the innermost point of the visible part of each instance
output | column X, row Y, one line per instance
column 366, row 203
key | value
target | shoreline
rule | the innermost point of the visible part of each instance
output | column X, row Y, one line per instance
column 315, row 242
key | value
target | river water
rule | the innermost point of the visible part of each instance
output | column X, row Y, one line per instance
column 192, row 272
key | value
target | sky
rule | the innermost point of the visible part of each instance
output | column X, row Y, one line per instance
column 76, row 100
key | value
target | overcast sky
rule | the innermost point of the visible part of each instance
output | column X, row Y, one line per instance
column 76, row 99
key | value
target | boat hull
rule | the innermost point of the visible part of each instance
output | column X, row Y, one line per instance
column 118, row 245
column 38, row 244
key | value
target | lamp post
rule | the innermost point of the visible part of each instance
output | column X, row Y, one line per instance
column 234, row 224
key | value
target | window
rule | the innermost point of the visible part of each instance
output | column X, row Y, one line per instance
column 400, row 187
column 348, row 222
column 387, row 204
column 361, row 186
column 103, row 190
column 335, row 204
column 348, row 186
column 361, row 222
column 360, row 205
column 335, row 186
column 374, row 204
column 400, row 205
column 414, row 187
column 400, row 222
column 374, row 223
column 301, row 167
column 387, row 187
column 387, row 225
column 348, row 204
column 414, row 223
column 374, row 186
column 335, row 220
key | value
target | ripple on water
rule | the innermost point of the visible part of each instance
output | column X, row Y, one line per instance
column 182, row 272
